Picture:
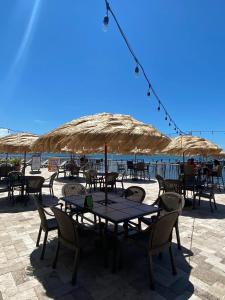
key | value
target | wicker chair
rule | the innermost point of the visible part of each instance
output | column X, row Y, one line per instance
column 91, row 179
column 168, row 202
column 161, row 183
column 137, row 194
column 46, row 224
column 16, row 182
column 111, row 180
column 73, row 189
column 172, row 185
column 155, row 239
column 71, row 235
column 207, row 192
column 49, row 183
column 34, row 186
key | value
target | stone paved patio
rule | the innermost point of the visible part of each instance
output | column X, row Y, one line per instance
column 200, row 264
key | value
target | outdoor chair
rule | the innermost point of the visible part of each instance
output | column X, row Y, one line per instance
column 120, row 179
column 73, row 189
column 160, row 183
column 121, row 168
column 91, row 179
column 130, row 167
column 168, row 202
column 155, row 239
column 72, row 236
column 16, row 182
column 48, row 183
column 47, row 224
column 207, row 192
column 44, row 164
column 4, row 186
column 33, row 185
column 172, row 185
column 140, row 170
column 137, row 194
column 62, row 168
column 111, row 180
column 5, row 168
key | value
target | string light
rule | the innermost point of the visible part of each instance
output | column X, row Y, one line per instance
column 106, row 18
column 139, row 67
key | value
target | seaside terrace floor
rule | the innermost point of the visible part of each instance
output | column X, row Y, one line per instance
column 200, row 264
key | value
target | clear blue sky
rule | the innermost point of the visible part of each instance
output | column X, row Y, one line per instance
column 56, row 63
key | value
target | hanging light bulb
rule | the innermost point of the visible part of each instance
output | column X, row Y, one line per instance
column 158, row 107
column 169, row 124
column 149, row 93
column 136, row 71
column 166, row 117
column 105, row 23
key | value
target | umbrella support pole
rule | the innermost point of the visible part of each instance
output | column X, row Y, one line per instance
column 106, row 175
column 24, row 163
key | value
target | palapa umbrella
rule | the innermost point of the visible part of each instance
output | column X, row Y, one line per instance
column 18, row 143
column 102, row 133
column 191, row 145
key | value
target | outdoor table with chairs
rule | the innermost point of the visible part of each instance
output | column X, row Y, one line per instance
column 118, row 211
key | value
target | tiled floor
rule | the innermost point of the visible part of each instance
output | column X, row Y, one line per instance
column 200, row 264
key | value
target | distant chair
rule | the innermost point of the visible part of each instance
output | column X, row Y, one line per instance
column 111, row 180
column 160, row 183
column 34, row 186
column 140, row 169
column 5, row 168
column 120, row 178
column 46, row 224
column 172, row 185
column 207, row 192
column 155, row 239
column 62, row 168
column 218, row 175
column 48, row 183
column 91, row 179
column 72, row 236
column 130, row 167
column 16, row 182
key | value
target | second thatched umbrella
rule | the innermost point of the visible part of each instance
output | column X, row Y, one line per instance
column 191, row 145
column 114, row 133
column 18, row 143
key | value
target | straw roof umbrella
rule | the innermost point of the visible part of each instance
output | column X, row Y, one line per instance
column 191, row 145
column 18, row 143
column 102, row 133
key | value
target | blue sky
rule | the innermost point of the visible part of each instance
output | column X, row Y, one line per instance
column 57, row 64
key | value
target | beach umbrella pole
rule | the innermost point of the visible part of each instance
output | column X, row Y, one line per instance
column 106, row 175
column 24, row 162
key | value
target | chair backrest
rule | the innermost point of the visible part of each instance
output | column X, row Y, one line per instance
column 135, row 193
column 172, row 185
column 34, row 184
column 220, row 171
column 5, row 168
column 41, row 211
column 15, row 178
column 160, row 181
column 111, row 177
column 72, row 189
column 161, row 231
column 52, row 178
column 67, row 227
column 169, row 202
column 130, row 164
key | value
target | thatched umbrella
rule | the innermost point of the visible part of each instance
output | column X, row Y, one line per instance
column 18, row 143
column 191, row 145
column 102, row 133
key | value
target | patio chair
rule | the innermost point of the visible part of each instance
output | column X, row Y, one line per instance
column 62, row 168
column 5, row 168
column 207, row 192
column 72, row 236
column 140, row 169
column 168, row 202
column 155, row 239
column 137, row 194
column 91, row 179
column 130, row 167
column 47, row 224
column 44, row 164
column 172, row 185
column 218, row 175
column 16, row 182
column 4, row 186
column 48, row 183
column 120, row 179
column 160, row 183
column 111, row 180
column 33, row 185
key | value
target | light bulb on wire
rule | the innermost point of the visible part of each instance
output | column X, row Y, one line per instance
column 105, row 23
column 136, row 71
